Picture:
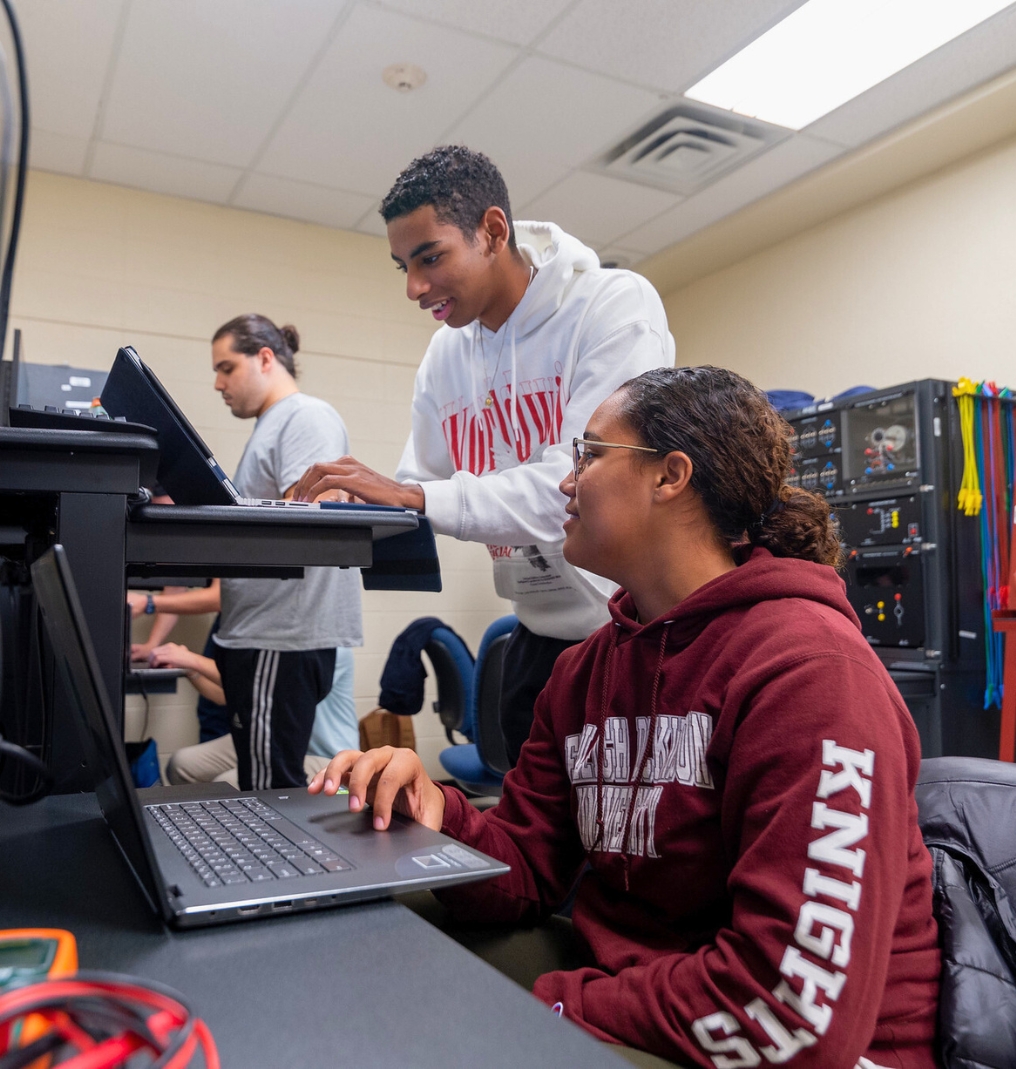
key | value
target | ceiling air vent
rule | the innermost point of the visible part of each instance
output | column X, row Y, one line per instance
column 687, row 147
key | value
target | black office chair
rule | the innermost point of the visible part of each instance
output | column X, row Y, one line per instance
column 967, row 812
column 487, row 732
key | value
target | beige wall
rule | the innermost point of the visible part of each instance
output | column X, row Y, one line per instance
column 917, row 283
column 100, row 266
column 920, row 283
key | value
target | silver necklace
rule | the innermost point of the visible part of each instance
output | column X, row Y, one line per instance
column 489, row 399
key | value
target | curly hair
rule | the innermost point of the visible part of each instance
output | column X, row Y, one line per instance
column 739, row 447
column 460, row 185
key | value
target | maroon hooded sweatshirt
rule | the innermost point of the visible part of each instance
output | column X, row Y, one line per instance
column 739, row 775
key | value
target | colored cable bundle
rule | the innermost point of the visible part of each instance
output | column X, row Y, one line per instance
column 986, row 491
column 99, row 1021
column 969, row 500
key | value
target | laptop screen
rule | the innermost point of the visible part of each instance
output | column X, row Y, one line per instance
column 104, row 754
column 187, row 470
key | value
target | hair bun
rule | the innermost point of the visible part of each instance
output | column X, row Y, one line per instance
column 292, row 337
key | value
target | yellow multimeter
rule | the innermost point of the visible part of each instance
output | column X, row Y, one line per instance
column 28, row 955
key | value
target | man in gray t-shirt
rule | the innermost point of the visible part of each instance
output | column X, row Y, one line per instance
column 275, row 647
column 282, row 614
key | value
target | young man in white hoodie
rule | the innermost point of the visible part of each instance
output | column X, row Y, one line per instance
column 535, row 335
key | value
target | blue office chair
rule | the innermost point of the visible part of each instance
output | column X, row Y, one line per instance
column 468, row 698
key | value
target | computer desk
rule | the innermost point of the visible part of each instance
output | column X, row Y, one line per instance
column 364, row 986
column 75, row 487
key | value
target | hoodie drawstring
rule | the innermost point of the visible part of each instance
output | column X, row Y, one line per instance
column 636, row 786
column 515, row 395
column 472, row 373
column 601, row 743
column 601, row 748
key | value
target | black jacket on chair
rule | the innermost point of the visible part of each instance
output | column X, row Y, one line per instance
column 967, row 812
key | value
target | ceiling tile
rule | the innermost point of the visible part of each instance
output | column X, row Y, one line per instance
column 160, row 173
column 301, row 200
column 515, row 21
column 543, row 86
column 545, row 119
column 979, row 55
column 56, row 152
column 782, row 164
column 208, row 80
column 68, row 46
column 596, row 208
column 349, row 129
column 667, row 44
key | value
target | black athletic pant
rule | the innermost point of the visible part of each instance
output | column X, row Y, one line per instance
column 528, row 661
column 271, row 697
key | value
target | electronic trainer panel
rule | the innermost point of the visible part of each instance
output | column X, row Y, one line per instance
column 890, row 464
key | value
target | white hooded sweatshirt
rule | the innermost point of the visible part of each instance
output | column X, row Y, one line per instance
column 490, row 467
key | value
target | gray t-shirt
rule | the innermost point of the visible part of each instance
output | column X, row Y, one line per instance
column 322, row 609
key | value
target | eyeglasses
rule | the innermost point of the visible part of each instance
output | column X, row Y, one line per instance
column 581, row 455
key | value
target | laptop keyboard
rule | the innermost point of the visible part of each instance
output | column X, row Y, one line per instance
column 243, row 840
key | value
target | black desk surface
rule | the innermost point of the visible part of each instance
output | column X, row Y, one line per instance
column 76, row 460
column 384, row 521
column 77, row 439
column 368, row 985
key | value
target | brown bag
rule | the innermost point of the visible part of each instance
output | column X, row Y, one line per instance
column 382, row 728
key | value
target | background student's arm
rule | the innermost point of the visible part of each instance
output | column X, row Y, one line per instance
column 192, row 602
column 162, row 625
column 201, row 671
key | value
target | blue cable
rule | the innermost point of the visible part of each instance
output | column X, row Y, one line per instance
column 986, row 564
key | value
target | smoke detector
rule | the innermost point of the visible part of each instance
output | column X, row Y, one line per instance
column 687, row 147
column 404, row 77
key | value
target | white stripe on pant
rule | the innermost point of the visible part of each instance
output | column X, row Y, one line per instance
column 261, row 719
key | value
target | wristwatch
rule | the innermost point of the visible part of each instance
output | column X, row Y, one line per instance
column 150, row 606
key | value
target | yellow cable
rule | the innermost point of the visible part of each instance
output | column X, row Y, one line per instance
column 969, row 498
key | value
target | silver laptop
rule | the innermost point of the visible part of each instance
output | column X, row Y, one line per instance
column 226, row 857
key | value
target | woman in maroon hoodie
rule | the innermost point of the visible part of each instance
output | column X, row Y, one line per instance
column 727, row 760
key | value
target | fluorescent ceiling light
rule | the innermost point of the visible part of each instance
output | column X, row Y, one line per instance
column 829, row 51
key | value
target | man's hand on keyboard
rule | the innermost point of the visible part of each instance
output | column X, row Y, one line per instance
column 347, row 474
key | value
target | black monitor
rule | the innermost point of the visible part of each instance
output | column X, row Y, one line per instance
column 15, row 123
column 92, row 712
column 9, row 376
column 188, row 471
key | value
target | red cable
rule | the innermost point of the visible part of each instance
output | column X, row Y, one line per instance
column 108, row 1054
column 183, row 1056
column 208, row 1047
column 169, row 1016
column 69, row 1029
